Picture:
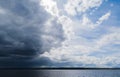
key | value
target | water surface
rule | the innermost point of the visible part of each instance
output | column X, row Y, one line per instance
column 59, row 73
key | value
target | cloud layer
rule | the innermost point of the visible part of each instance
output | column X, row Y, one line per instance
column 59, row 33
column 91, row 40
column 27, row 30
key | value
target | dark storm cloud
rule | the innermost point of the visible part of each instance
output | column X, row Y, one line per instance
column 23, row 30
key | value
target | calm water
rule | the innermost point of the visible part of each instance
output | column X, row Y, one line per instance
column 83, row 73
column 59, row 73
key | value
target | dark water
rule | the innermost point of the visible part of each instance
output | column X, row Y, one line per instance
column 59, row 73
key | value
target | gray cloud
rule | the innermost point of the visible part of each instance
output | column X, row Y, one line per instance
column 24, row 32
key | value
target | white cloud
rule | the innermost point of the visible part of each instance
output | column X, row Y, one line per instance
column 50, row 6
column 77, row 48
column 113, row 38
column 73, row 49
column 68, row 26
column 81, row 6
column 103, row 18
column 88, row 24
column 77, row 60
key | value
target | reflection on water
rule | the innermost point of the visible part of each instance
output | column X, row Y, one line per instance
column 59, row 73
column 82, row 73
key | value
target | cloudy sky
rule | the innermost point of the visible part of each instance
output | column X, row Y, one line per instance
column 59, row 33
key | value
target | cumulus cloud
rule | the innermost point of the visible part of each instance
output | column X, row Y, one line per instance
column 88, row 43
column 81, row 6
column 50, row 6
column 27, row 29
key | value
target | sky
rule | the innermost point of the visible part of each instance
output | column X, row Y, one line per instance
column 60, row 33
